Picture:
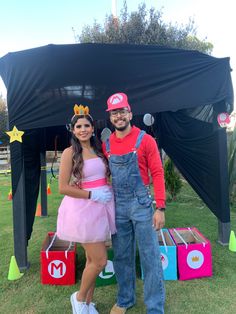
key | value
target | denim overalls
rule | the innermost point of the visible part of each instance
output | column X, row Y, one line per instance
column 134, row 213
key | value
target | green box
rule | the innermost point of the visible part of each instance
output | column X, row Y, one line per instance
column 107, row 276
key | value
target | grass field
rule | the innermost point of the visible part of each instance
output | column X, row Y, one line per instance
column 214, row 295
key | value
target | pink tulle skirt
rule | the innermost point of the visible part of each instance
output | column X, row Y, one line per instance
column 85, row 221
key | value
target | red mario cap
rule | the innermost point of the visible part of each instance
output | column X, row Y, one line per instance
column 117, row 101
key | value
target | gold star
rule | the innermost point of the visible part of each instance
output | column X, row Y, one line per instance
column 15, row 135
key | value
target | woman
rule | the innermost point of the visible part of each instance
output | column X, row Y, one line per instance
column 86, row 214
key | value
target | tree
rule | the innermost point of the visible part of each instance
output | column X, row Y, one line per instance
column 144, row 27
column 3, row 121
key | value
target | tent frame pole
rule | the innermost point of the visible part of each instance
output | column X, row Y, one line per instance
column 19, row 212
column 43, row 182
column 223, row 232
column 223, row 227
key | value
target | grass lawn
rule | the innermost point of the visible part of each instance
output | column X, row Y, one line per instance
column 207, row 295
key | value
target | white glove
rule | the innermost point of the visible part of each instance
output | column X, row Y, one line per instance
column 102, row 196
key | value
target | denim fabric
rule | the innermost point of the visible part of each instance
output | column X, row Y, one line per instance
column 134, row 213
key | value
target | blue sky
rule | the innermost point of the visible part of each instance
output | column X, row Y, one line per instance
column 32, row 23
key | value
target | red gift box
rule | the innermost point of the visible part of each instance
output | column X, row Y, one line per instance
column 57, row 261
column 193, row 253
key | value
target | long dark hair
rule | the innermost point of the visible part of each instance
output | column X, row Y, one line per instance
column 77, row 157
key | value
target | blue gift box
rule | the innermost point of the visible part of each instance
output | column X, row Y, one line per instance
column 168, row 255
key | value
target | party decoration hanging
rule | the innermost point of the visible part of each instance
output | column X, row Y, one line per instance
column 15, row 135
column 223, row 119
column 148, row 119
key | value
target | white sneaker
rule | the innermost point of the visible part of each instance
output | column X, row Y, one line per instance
column 92, row 308
column 77, row 306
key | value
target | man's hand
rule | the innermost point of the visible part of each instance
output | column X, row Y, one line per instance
column 158, row 219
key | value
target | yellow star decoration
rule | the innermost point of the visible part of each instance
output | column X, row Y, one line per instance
column 15, row 135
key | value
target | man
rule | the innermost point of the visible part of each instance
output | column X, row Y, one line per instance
column 133, row 155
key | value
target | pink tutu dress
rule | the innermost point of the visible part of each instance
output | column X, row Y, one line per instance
column 83, row 220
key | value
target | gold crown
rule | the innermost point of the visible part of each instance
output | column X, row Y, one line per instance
column 81, row 110
column 195, row 259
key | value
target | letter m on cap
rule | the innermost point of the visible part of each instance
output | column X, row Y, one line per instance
column 116, row 99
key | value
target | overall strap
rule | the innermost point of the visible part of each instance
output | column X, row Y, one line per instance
column 108, row 149
column 139, row 139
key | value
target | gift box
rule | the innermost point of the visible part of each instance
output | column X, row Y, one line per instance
column 193, row 253
column 107, row 276
column 58, row 259
column 168, row 255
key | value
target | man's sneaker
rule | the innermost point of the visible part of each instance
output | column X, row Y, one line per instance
column 77, row 306
column 118, row 310
column 92, row 308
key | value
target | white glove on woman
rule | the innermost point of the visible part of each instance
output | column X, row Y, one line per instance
column 102, row 196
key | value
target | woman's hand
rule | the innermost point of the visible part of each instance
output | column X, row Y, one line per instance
column 102, row 196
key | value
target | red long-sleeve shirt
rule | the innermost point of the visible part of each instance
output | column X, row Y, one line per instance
column 149, row 160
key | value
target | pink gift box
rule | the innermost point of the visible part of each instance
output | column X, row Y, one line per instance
column 193, row 253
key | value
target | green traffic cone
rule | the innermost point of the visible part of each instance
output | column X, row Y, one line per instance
column 14, row 272
column 232, row 242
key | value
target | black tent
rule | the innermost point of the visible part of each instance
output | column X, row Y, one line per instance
column 184, row 90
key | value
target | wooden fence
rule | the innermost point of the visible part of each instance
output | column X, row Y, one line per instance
column 5, row 160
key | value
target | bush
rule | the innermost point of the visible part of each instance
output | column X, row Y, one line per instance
column 172, row 179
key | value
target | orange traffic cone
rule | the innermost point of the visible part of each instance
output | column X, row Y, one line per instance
column 49, row 190
column 9, row 196
column 38, row 211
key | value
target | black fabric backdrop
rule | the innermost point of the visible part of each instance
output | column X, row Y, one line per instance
column 185, row 90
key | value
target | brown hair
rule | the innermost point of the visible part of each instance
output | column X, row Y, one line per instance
column 77, row 157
